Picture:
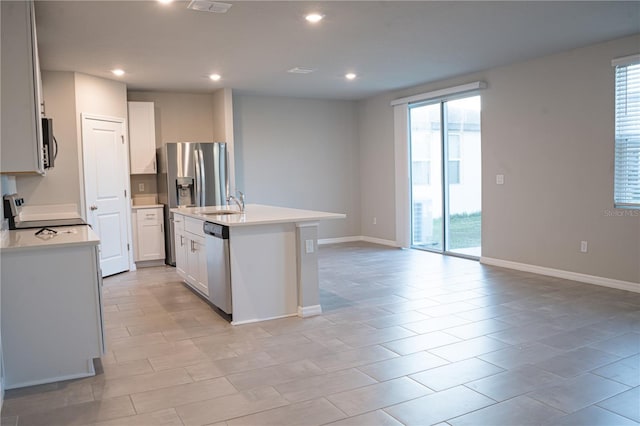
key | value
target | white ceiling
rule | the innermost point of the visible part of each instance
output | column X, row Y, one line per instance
column 390, row 45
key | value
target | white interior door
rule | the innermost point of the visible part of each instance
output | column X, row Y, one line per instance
column 105, row 173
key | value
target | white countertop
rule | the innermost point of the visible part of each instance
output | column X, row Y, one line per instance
column 26, row 239
column 146, row 206
column 255, row 214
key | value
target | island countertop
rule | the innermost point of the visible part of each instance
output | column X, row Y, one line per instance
column 255, row 214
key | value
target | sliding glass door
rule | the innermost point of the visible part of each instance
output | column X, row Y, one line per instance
column 446, row 176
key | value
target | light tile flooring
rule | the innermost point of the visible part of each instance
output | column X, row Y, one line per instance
column 406, row 337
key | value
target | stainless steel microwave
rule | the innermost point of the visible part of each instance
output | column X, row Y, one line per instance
column 49, row 143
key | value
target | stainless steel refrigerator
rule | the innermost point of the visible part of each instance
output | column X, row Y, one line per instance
column 191, row 174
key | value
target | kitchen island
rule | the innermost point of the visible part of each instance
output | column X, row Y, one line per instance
column 272, row 258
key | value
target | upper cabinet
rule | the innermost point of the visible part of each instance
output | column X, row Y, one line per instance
column 21, row 142
column 142, row 138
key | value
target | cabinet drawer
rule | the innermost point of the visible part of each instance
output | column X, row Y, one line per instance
column 193, row 226
column 178, row 222
column 150, row 216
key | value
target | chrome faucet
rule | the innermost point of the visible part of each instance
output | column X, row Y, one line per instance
column 239, row 202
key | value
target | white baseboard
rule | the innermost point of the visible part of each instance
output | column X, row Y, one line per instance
column 339, row 240
column 251, row 321
column 53, row 379
column 379, row 241
column 309, row 311
column 356, row 238
column 149, row 263
column 559, row 273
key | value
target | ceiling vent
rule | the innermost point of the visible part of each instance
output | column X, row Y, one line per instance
column 298, row 70
column 209, row 6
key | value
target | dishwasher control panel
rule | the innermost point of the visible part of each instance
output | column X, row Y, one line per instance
column 216, row 230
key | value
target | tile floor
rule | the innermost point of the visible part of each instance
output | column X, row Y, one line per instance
column 406, row 337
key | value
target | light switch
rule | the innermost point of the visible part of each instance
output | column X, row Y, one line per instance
column 499, row 179
column 309, row 246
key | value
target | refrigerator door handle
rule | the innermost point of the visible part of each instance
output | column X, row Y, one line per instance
column 198, row 177
column 203, row 182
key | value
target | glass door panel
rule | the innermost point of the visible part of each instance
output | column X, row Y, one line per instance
column 446, row 179
column 426, row 177
column 464, row 178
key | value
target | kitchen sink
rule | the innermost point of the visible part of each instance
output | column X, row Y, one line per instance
column 222, row 212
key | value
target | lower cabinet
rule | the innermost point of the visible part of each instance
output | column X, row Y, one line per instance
column 148, row 230
column 191, row 253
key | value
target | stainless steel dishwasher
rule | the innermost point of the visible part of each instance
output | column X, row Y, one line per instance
column 218, row 265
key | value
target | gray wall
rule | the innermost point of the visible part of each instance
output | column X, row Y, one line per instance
column 548, row 126
column 66, row 96
column 300, row 153
column 61, row 185
column 180, row 117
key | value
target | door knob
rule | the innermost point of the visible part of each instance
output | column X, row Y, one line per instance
column 93, row 207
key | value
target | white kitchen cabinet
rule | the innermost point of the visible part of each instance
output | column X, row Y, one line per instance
column 191, row 253
column 181, row 253
column 21, row 141
column 148, row 234
column 142, row 138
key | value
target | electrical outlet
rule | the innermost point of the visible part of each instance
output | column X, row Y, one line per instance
column 499, row 179
column 141, row 187
column 375, row 220
column 584, row 246
column 309, row 246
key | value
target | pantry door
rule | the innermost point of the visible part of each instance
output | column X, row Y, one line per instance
column 105, row 183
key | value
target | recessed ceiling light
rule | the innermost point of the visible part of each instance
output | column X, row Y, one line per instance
column 215, row 77
column 209, row 6
column 350, row 76
column 314, row 17
column 118, row 72
column 299, row 70
column 165, row 1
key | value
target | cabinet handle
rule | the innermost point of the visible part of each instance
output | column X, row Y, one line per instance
column 161, row 229
column 193, row 246
column 93, row 208
column 154, row 165
column 181, row 241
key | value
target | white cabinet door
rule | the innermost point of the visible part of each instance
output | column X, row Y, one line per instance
column 200, row 265
column 142, row 138
column 181, row 253
column 191, row 252
column 21, row 91
column 197, row 264
column 181, row 245
column 150, row 238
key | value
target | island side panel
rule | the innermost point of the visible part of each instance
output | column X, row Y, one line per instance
column 307, row 268
column 51, row 317
column 263, row 272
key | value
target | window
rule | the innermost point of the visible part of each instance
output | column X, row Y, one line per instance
column 627, row 133
column 421, row 172
column 454, row 158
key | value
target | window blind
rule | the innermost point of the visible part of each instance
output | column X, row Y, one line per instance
column 627, row 134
